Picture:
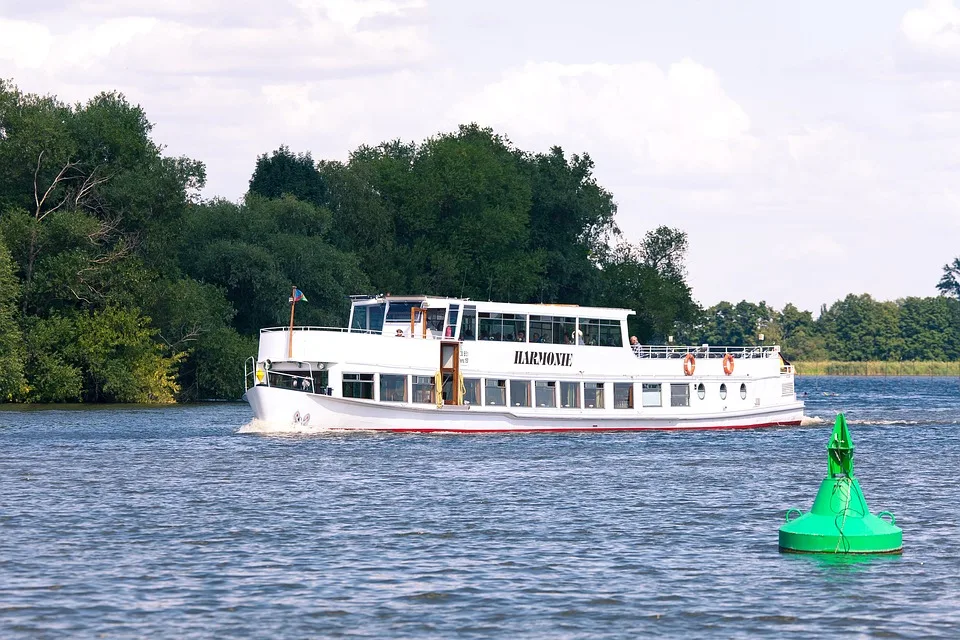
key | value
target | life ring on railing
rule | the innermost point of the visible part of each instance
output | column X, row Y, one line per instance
column 689, row 364
column 728, row 364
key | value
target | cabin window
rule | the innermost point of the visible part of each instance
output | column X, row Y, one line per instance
column 651, row 394
column 701, row 391
column 495, row 392
column 680, row 395
column 358, row 385
column 400, row 311
column 520, row 393
column 593, row 395
column 452, row 321
column 508, row 327
column 471, row 391
column 491, row 326
column 423, row 389
column 469, row 330
column 601, row 332
column 435, row 318
column 393, row 388
column 743, row 391
column 570, row 395
column 367, row 317
column 723, row 391
column 359, row 318
column 546, row 393
column 623, row 395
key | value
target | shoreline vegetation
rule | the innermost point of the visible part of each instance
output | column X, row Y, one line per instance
column 877, row 368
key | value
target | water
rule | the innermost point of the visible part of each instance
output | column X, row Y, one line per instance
column 138, row 522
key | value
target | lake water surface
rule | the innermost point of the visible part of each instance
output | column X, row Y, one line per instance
column 164, row 522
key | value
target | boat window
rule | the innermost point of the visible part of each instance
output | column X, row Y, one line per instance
column 743, row 391
column 520, row 393
column 602, row 332
column 541, row 329
column 471, row 391
column 359, row 320
column 546, row 393
column 593, row 395
column 393, row 388
column 400, row 311
column 623, row 395
column 509, row 327
column 701, row 391
column 358, row 385
column 680, row 395
column 367, row 317
column 651, row 394
column 452, row 322
column 423, row 389
column 469, row 331
column 495, row 392
column 435, row 318
column 491, row 326
column 563, row 330
column 570, row 395
column 723, row 391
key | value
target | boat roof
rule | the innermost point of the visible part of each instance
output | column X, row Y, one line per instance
column 545, row 309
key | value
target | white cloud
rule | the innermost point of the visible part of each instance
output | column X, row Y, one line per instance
column 677, row 120
column 934, row 28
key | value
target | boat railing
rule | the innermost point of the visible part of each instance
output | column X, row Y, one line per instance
column 334, row 329
column 702, row 351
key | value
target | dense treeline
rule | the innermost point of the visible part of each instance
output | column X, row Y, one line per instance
column 857, row 328
column 119, row 284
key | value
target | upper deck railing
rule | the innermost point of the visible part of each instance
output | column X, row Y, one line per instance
column 703, row 351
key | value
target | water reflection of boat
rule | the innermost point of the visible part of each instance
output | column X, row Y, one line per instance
column 446, row 364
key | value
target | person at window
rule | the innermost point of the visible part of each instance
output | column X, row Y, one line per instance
column 634, row 341
column 521, row 336
column 578, row 335
column 535, row 338
column 305, row 385
column 399, row 333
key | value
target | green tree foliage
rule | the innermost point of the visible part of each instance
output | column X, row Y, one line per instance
column 284, row 173
column 949, row 284
column 650, row 278
column 861, row 328
column 12, row 381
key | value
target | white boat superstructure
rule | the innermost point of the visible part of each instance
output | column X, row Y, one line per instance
column 418, row 363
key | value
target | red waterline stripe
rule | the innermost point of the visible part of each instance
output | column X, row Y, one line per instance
column 792, row 423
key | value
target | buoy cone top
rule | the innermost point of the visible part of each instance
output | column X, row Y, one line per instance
column 840, row 521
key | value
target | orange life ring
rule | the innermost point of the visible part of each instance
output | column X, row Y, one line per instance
column 689, row 364
column 728, row 364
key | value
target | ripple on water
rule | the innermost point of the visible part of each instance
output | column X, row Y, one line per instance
column 163, row 522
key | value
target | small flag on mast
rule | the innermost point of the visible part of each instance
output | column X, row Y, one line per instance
column 298, row 296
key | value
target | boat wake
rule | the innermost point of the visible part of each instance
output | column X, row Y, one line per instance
column 266, row 427
column 812, row 421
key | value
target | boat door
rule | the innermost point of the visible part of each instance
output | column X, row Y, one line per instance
column 450, row 372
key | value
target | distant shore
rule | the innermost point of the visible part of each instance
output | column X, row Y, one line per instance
column 877, row 368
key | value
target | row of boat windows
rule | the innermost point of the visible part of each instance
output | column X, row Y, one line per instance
column 518, row 327
column 523, row 393
column 499, row 327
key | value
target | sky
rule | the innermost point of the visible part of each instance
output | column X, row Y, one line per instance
column 809, row 150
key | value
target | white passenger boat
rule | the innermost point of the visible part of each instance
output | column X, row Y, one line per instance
column 419, row 363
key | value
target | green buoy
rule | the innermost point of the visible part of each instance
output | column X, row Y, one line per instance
column 840, row 521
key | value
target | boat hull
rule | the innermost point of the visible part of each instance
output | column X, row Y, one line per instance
column 283, row 410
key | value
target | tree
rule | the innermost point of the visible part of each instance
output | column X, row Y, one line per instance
column 649, row 278
column 286, row 173
column 949, row 284
column 860, row 328
column 12, row 381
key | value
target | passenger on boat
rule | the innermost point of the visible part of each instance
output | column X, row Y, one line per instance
column 305, row 385
column 399, row 333
column 579, row 336
column 521, row 336
column 633, row 340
